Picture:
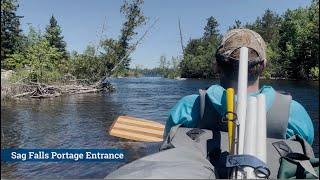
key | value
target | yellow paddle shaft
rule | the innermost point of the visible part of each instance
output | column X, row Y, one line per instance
column 230, row 108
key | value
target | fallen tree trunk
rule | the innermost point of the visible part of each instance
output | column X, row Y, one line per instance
column 38, row 90
column 24, row 87
column 46, row 95
column 23, row 94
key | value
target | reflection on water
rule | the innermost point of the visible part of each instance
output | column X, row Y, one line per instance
column 81, row 121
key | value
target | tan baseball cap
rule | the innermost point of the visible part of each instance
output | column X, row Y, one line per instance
column 236, row 38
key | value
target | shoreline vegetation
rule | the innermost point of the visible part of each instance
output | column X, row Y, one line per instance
column 28, row 89
column 36, row 63
column 292, row 47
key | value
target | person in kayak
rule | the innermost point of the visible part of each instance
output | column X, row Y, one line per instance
column 187, row 110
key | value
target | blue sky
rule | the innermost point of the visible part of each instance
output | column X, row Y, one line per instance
column 82, row 19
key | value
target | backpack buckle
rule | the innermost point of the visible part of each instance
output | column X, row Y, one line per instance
column 260, row 168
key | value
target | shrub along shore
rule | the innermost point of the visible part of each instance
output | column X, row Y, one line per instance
column 37, row 64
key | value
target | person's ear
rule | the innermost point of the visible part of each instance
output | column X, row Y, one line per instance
column 264, row 64
column 216, row 68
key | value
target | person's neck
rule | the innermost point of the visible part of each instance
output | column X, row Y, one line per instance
column 252, row 88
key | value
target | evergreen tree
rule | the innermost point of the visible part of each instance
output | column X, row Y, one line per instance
column 11, row 37
column 211, row 29
column 237, row 25
column 54, row 37
column 198, row 59
column 268, row 27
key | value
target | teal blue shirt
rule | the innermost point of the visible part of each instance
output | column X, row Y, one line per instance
column 187, row 111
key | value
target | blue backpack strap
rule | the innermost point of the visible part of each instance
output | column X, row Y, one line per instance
column 278, row 116
column 209, row 116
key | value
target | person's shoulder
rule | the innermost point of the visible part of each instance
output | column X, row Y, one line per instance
column 300, row 121
column 188, row 100
column 215, row 88
column 296, row 107
column 268, row 90
column 299, row 113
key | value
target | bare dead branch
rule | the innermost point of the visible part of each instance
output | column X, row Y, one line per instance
column 181, row 40
column 100, row 36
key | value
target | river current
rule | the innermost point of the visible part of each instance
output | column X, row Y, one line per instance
column 82, row 121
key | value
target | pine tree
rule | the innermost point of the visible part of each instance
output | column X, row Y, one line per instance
column 267, row 26
column 237, row 25
column 54, row 37
column 10, row 29
column 198, row 58
column 211, row 29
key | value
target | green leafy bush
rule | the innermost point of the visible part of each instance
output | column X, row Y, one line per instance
column 315, row 73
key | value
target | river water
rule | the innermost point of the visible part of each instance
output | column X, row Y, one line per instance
column 81, row 121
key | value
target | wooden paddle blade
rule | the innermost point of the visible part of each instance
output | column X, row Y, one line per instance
column 137, row 129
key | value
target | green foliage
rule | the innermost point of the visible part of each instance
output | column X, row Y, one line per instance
column 210, row 30
column 198, row 58
column 14, row 61
column 54, row 37
column 273, row 69
column 298, row 44
column 267, row 26
column 115, row 55
column 136, row 71
column 168, row 69
column 315, row 73
column 110, row 56
column 19, row 75
column 292, row 41
column 44, row 58
column 10, row 29
column 237, row 25
column 154, row 72
column 39, row 57
column 292, row 47
column 87, row 65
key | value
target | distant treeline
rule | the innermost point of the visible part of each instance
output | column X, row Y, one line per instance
column 292, row 45
column 166, row 68
column 154, row 72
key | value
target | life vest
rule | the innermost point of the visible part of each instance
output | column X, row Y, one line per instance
column 202, row 152
column 277, row 115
